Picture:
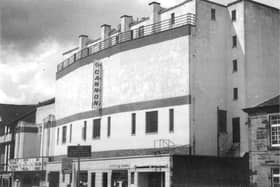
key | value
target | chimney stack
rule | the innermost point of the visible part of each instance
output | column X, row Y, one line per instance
column 125, row 22
column 83, row 39
column 105, row 31
column 155, row 12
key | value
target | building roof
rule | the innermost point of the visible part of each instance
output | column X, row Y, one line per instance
column 270, row 105
column 10, row 113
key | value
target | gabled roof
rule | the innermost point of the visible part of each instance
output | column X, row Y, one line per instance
column 10, row 113
column 270, row 105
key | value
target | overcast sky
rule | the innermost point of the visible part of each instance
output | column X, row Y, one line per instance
column 34, row 33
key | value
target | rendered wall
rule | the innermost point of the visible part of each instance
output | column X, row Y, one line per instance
column 209, row 54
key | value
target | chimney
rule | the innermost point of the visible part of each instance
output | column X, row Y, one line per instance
column 125, row 22
column 83, row 39
column 105, row 31
column 155, row 12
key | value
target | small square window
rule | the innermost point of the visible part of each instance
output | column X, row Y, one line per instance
column 233, row 15
column 213, row 14
column 234, row 66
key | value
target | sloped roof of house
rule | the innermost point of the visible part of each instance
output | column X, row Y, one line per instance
column 270, row 105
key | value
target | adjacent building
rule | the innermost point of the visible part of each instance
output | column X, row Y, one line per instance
column 264, row 138
column 10, row 117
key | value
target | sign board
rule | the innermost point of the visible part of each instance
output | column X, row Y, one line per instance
column 79, row 151
column 66, row 165
column 97, row 85
column 30, row 164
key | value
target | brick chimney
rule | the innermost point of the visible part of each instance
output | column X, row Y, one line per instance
column 83, row 39
column 155, row 12
column 105, row 31
column 125, row 22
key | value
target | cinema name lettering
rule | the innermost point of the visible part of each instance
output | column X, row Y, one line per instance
column 97, row 85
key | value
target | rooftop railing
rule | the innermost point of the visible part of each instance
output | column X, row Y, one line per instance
column 186, row 19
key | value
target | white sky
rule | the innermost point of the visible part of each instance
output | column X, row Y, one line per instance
column 35, row 33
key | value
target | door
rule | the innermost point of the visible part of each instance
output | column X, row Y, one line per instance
column 53, row 178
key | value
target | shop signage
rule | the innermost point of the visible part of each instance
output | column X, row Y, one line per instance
column 79, row 151
column 31, row 164
column 97, row 85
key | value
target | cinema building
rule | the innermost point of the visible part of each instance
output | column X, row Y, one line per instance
column 160, row 95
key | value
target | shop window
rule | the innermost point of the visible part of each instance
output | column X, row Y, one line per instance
column 152, row 122
column 64, row 133
column 233, row 15
column 275, row 130
column 96, row 128
column 171, row 120
column 132, row 176
column 104, row 180
column 213, row 14
column 133, row 123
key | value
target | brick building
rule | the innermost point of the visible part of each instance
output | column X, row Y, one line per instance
column 264, row 147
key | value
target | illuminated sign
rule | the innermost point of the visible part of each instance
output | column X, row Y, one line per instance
column 97, row 85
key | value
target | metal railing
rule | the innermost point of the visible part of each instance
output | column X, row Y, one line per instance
column 186, row 19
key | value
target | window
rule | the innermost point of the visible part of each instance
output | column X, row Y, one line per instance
column 234, row 41
column 141, row 31
column 213, row 14
column 222, row 121
column 233, row 15
column 275, row 177
column 171, row 120
column 275, row 130
column 235, row 93
column 133, row 123
column 151, row 122
column 64, row 133
column 57, row 136
column 84, row 131
column 109, row 126
column 234, row 66
column 236, row 130
column 172, row 19
column 132, row 178
column 96, row 128
column 70, row 134
column 104, row 179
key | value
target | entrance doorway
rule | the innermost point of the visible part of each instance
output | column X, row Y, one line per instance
column 119, row 178
column 53, row 178
column 151, row 179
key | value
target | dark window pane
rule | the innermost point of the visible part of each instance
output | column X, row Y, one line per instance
column 151, row 122
column 234, row 41
column 222, row 120
column 96, row 128
column 64, row 132
column 133, row 123
column 213, row 14
column 233, row 15
column 235, row 93
column 104, row 179
column 171, row 120
column 109, row 126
